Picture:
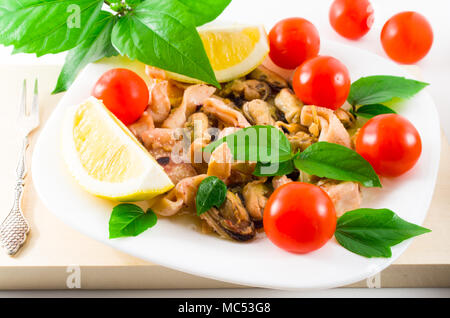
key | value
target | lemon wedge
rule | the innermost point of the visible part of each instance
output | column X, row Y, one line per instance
column 233, row 51
column 106, row 159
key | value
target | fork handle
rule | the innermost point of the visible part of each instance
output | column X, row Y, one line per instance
column 21, row 172
column 14, row 228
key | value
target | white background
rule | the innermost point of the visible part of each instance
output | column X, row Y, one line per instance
column 435, row 69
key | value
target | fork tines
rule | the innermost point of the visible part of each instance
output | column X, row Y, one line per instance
column 29, row 118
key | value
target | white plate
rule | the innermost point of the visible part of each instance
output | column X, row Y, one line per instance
column 257, row 263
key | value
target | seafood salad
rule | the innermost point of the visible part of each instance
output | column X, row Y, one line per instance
column 285, row 153
column 179, row 113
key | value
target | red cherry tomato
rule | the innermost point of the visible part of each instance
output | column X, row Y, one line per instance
column 407, row 37
column 390, row 143
column 299, row 217
column 292, row 41
column 351, row 18
column 322, row 81
column 123, row 92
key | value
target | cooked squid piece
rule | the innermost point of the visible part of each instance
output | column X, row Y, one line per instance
column 255, row 199
column 275, row 81
column 159, row 139
column 175, row 89
column 289, row 105
column 193, row 97
column 259, row 112
column 158, row 106
column 159, row 103
column 325, row 125
column 143, row 124
column 183, row 195
column 237, row 171
column 226, row 114
column 231, row 220
column 220, row 162
column 278, row 181
column 222, row 165
column 227, row 131
column 346, row 195
column 241, row 171
column 178, row 171
column 161, row 144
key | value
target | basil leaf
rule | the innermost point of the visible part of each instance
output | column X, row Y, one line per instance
column 133, row 2
column 363, row 248
column 371, row 232
column 211, row 192
column 265, row 144
column 42, row 27
column 337, row 162
column 130, row 220
column 205, row 10
column 369, row 111
column 163, row 34
column 96, row 46
column 274, row 169
column 9, row 6
column 382, row 88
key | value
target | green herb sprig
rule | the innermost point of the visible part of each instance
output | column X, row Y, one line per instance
column 372, row 110
column 368, row 94
column 211, row 192
column 372, row 232
column 157, row 33
column 130, row 220
column 324, row 159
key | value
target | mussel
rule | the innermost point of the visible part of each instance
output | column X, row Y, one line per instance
column 259, row 112
column 240, row 90
column 274, row 80
column 347, row 119
column 289, row 104
column 255, row 198
column 231, row 220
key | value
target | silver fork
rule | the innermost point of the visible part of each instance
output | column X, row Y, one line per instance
column 14, row 228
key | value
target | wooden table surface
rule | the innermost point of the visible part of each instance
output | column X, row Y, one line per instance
column 54, row 252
